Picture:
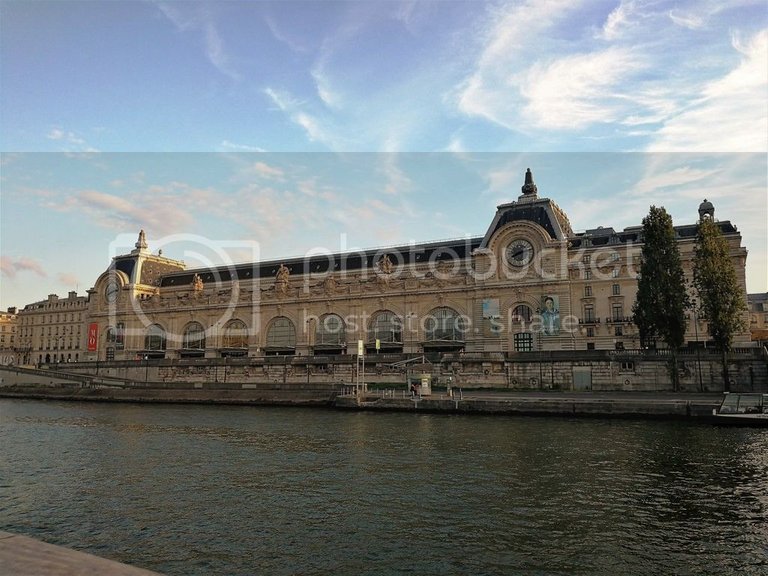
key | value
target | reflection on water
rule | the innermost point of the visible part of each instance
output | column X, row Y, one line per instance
column 246, row 490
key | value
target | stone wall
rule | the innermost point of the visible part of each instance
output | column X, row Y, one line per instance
column 556, row 370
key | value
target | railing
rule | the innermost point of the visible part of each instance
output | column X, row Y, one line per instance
column 619, row 320
column 590, row 320
column 472, row 356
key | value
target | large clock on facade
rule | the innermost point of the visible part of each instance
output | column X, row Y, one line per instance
column 519, row 252
column 111, row 291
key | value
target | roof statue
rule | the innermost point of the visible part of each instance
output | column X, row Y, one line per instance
column 141, row 243
column 529, row 187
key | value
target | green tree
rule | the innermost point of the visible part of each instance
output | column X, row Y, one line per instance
column 659, row 310
column 719, row 291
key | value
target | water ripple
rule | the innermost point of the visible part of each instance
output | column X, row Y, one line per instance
column 242, row 490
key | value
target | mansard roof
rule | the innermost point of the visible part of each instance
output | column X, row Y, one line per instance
column 411, row 254
column 602, row 236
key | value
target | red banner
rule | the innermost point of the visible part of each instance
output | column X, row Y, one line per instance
column 93, row 337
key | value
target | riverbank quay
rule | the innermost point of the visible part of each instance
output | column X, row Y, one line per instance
column 539, row 403
column 256, row 395
column 25, row 556
column 679, row 405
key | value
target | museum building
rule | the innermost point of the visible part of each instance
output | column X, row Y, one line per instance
column 529, row 284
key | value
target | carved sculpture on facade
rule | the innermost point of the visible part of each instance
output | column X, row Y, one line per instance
column 330, row 284
column 281, row 279
column 197, row 284
column 385, row 265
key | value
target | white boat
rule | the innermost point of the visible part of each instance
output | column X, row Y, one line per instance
column 745, row 408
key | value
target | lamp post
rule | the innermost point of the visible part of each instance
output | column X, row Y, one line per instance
column 146, row 369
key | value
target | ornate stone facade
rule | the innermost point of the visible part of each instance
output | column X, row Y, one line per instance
column 529, row 284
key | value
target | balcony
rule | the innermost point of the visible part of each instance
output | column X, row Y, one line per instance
column 589, row 320
column 619, row 320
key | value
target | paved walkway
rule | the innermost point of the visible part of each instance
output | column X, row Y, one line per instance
column 24, row 556
column 661, row 397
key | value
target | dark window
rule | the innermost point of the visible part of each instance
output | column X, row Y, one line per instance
column 235, row 334
column 523, row 313
column 444, row 324
column 281, row 333
column 330, row 331
column 523, row 342
column 155, row 338
column 194, row 337
column 386, row 327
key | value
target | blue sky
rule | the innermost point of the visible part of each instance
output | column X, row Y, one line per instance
column 296, row 125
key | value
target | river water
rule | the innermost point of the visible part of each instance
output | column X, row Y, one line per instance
column 260, row 490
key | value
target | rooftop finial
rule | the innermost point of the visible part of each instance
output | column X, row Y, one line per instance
column 141, row 243
column 706, row 210
column 529, row 187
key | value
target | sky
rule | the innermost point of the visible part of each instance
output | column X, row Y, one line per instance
column 234, row 131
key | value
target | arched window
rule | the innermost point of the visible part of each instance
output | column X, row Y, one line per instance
column 386, row 327
column 444, row 324
column 522, row 313
column 235, row 334
column 194, row 336
column 330, row 331
column 281, row 336
column 155, row 338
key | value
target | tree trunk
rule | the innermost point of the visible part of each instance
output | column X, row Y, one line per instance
column 726, row 379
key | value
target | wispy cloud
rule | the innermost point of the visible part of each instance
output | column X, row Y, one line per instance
column 169, row 208
column 266, row 171
column 10, row 267
column 294, row 43
column 536, row 82
column 197, row 17
column 617, row 20
column 234, row 147
column 313, row 127
column 511, row 32
column 68, row 279
column 327, row 94
column 579, row 90
column 732, row 113
column 71, row 141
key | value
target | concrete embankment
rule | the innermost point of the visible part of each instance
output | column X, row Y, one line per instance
column 24, row 556
column 58, row 385
column 645, row 405
column 268, row 395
